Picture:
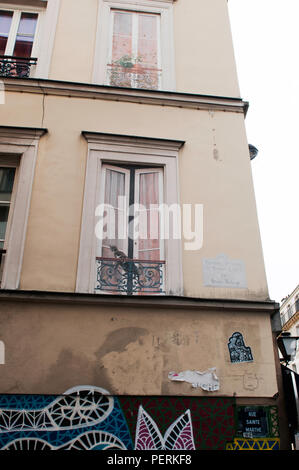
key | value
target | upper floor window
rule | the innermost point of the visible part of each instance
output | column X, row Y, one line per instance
column 18, row 50
column 17, row 32
column 135, row 44
column 135, row 50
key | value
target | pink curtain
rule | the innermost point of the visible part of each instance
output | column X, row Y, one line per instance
column 149, row 247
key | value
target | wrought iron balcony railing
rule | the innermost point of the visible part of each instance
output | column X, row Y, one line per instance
column 20, row 67
column 130, row 276
column 134, row 77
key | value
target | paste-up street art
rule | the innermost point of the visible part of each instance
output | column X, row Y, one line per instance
column 207, row 380
column 237, row 349
column 88, row 418
column 179, row 436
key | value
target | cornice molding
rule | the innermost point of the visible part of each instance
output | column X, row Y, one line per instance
column 164, row 302
column 23, row 133
column 126, row 140
column 102, row 92
column 26, row 3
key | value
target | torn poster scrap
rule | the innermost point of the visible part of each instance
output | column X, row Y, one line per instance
column 207, row 380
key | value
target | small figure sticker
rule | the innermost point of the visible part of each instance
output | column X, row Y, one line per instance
column 237, row 349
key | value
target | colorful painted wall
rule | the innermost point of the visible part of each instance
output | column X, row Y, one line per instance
column 87, row 418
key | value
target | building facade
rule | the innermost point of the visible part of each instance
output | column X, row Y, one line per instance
column 134, row 303
column 289, row 314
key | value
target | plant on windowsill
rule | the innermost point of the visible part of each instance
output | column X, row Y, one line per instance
column 127, row 72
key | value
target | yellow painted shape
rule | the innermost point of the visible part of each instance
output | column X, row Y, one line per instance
column 254, row 444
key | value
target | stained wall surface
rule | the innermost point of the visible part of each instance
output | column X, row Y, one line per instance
column 51, row 348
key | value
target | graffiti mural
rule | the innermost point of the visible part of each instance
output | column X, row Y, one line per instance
column 254, row 444
column 88, row 418
column 83, row 418
column 179, row 436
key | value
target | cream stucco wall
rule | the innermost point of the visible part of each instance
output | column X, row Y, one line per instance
column 203, row 51
column 50, row 348
column 214, row 170
column 204, row 55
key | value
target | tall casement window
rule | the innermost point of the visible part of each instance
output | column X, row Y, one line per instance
column 18, row 152
column 17, row 32
column 135, row 46
column 7, row 178
column 132, row 257
column 131, row 182
column 135, row 56
column 18, row 42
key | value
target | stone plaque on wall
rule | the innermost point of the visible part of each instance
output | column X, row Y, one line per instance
column 224, row 272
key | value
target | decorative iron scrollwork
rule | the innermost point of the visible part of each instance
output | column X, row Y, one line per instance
column 16, row 66
column 129, row 276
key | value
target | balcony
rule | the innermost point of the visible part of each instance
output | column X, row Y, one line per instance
column 129, row 276
column 290, row 312
column 20, row 67
column 131, row 75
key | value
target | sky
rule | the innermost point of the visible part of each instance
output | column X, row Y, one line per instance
column 266, row 44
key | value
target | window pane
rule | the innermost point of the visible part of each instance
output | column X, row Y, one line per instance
column 114, row 189
column 122, row 36
column 25, row 35
column 5, row 23
column 147, row 41
column 4, row 210
column 149, row 241
column 148, row 51
column 6, row 183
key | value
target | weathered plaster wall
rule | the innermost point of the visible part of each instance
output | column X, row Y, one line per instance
column 51, row 348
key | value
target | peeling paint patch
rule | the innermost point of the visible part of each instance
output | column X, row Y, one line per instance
column 207, row 380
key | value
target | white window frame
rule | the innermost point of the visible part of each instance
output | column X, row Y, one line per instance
column 104, row 34
column 9, row 163
column 106, row 148
column 12, row 36
column 135, row 26
column 44, row 35
column 18, row 147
